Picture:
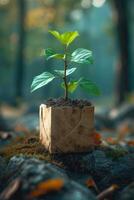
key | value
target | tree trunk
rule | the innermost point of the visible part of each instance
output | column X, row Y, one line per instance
column 123, row 84
column 20, row 55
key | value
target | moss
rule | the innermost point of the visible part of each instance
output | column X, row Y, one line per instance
column 30, row 146
column 116, row 153
column 26, row 145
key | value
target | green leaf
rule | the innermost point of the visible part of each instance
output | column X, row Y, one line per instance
column 56, row 34
column 59, row 56
column 90, row 87
column 41, row 80
column 82, row 56
column 68, row 72
column 68, row 37
column 65, row 38
column 72, row 86
column 50, row 53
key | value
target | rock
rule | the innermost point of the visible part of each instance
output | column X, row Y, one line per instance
column 121, row 172
column 81, row 166
column 95, row 162
column 32, row 171
column 100, row 164
column 3, row 165
column 5, row 135
column 76, row 163
column 127, row 193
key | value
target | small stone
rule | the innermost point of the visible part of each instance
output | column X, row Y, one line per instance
column 32, row 171
column 5, row 135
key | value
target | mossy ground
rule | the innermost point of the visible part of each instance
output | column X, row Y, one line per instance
column 29, row 145
column 26, row 145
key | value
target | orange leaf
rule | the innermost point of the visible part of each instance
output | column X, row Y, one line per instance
column 45, row 187
column 111, row 140
column 130, row 143
column 97, row 138
column 90, row 183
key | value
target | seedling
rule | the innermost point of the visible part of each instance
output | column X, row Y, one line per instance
column 79, row 56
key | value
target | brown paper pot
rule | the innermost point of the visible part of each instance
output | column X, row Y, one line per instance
column 67, row 129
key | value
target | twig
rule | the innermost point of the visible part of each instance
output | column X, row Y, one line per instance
column 107, row 192
column 11, row 189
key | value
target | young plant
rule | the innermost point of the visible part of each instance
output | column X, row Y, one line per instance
column 79, row 56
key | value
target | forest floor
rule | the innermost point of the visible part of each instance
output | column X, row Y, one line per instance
column 28, row 171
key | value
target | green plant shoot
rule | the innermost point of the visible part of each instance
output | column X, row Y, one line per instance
column 79, row 56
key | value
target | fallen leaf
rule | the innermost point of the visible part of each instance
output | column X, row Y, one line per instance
column 123, row 131
column 90, row 183
column 111, row 140
column 21, row 128
column 52, row 185
column 97, row 138
column 130, row 143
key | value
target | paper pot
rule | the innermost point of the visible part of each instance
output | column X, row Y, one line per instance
column 67, row 129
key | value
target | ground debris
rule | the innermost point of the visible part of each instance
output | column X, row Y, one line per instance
column 52, row 185
column 42, row 178
column 107, row 192
column 11, row 191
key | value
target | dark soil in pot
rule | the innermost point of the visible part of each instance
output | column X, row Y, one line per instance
column 70, row 102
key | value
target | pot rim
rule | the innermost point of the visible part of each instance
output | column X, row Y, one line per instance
column 76, row 107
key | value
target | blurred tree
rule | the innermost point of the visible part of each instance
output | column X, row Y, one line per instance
column 123, row 82
column 8, row 37
column 24, row 33
column 21, row 44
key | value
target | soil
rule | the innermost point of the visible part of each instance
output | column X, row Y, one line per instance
column 70, row 102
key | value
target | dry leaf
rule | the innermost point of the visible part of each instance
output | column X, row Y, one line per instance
column 21, row 128
column 97, row 138
column 123, row 131
column 91, row 184
column 130, row 143
column 45, row 187
column 111, row 140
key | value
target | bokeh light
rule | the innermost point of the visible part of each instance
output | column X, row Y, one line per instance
column 4, row 2
column 86, row 3
column 98, row 3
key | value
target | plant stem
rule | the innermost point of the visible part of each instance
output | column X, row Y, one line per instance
column 65, row 77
